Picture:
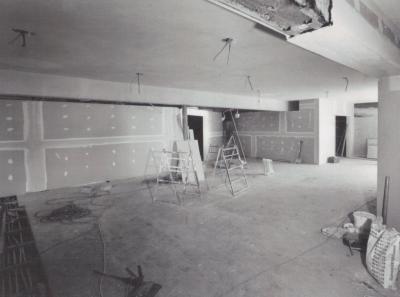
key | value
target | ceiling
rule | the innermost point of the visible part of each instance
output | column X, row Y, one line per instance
column 172, row 42
column 391, row 9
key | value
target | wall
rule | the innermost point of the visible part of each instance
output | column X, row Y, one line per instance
column 365, row 127
column 276, row 135
column 212, row 128
column 326, row 129
column 389, row 145
column 46, row 145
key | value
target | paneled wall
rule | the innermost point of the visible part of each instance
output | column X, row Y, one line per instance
column 277, row 135
column 46, row 145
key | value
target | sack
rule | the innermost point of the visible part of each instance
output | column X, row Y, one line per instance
column 383, row 254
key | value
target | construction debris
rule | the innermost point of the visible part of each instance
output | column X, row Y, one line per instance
column 67, row 213
column 383, row 254
column 135, row 283
column 288, row 17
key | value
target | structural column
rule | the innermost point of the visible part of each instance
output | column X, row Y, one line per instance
column 389, row 146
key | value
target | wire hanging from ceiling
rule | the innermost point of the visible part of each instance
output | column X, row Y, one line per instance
column 21, row 34
column 228, row 43
column 347, row 83
column 139, row 75
column 250, row 83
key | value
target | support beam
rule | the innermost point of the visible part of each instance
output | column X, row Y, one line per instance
column 44, row 85
column 389, row 146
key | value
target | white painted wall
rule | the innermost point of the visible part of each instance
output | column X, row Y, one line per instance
column 389, row 146
column 327, row 132
column 212, row 127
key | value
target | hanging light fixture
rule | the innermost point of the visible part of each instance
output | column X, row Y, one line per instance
column 237, row 114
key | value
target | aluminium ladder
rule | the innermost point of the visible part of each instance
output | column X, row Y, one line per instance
column 234, row 169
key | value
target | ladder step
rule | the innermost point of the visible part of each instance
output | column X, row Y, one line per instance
column 238, row 179
column 235, row 167
column 226, row 156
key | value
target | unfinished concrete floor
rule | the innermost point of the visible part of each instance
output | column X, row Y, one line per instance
column 266, row 242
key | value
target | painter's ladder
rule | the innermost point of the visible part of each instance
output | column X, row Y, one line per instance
column 177, row 167
column 234, row 168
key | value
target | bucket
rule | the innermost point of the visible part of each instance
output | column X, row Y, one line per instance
column 363, row 220
column 268, row 168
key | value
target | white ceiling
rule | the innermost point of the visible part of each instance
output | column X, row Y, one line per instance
column 172, row 42
column 391, row 10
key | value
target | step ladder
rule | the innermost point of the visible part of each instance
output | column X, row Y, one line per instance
column 232, row 142
column 176, row 168
column 233, row 165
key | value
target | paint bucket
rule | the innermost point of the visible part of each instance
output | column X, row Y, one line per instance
column 363, row 220
column 268, row 168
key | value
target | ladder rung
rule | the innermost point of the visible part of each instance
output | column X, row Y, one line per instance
column 238, row 179
column 231, row 155
column 235, row 167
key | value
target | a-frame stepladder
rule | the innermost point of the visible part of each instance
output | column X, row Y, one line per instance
column 176, row 168
column 230, row 162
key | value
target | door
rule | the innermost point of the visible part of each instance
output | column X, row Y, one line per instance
column 341, row 127
column 196, row 124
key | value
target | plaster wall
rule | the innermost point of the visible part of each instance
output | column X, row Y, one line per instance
column 365, row 127
column 57, row 144
column 388, row 146
column 326, row 129
column 277, row 135
column 212, row 128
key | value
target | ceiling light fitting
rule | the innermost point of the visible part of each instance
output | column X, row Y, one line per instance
column 21, row 34
column 228, row 43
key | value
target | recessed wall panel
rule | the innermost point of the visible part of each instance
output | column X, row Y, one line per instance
column 300, row 121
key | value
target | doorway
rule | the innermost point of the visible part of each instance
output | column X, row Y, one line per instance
column 341, row 129
column 196, row 124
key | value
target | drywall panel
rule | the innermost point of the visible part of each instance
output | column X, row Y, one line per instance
column 300, row 121
column 84, row 165
column 265, row 121
column 11, row 120
column 246, row 144
column 12, row 173
column 78, row 120
column 285, row 148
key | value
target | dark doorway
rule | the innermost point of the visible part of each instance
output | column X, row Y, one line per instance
column 196, row 124
column 341, row 127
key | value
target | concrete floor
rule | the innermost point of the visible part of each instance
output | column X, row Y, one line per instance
column 266, row 242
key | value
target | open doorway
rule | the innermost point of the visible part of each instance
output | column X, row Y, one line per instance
column 341, row 129
column 196, row 124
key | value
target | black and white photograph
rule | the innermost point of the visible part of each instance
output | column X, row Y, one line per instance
column 200, row 148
